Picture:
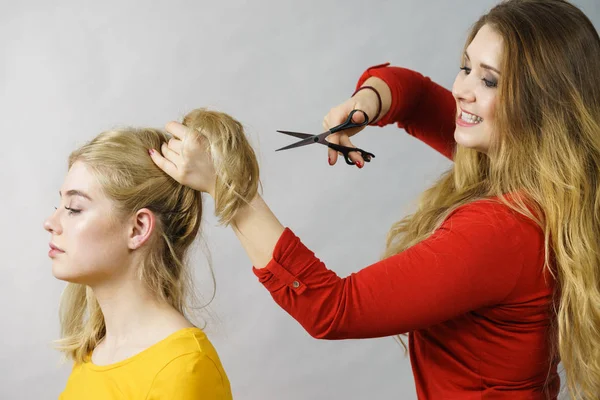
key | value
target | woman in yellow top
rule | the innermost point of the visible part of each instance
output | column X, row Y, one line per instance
column 120, row 238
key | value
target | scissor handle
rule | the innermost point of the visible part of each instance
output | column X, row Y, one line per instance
column 347, row 150
column 349, row 124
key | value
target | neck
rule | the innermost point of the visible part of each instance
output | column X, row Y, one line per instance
column 131, row 312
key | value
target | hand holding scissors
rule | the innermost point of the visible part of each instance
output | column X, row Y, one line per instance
column 348, row 124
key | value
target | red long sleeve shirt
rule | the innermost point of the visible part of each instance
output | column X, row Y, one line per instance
column 474, row 297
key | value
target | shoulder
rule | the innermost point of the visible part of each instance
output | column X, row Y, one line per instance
column 492, row 214
column 188, row 345
column 196, row 364
column 192, row 368
column 494, row 227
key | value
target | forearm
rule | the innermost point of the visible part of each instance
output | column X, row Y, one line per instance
column 258, row 230
column 472, row 261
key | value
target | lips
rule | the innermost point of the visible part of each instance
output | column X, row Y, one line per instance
column 54, row 247
column 468, row 112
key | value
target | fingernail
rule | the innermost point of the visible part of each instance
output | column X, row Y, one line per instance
column 329, row 160
column 359, row 164
column 150, row 151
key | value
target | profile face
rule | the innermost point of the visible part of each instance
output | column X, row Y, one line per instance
column 475, row 90
column 88, row 244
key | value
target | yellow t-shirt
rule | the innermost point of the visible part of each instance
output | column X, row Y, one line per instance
column 183, row 366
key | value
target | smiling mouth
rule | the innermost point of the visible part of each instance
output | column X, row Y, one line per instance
column 469, row 118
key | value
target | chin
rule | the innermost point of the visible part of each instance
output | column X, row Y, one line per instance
column 470, row 140
column 62, row 273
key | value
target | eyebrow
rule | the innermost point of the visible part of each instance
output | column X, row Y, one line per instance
column 74, row 192
column 482, row 65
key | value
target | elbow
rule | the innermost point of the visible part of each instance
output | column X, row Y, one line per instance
column 324, row 331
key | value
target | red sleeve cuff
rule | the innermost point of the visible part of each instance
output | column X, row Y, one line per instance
column 385, row 74
column 290, row 259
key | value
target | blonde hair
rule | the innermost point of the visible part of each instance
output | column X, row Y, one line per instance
column 120, row 161
column 547, row 150
column 234, row 159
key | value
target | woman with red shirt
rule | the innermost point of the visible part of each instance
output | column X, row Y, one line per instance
column 495, row 277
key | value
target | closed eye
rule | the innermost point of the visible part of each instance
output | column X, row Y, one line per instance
column 72, row 210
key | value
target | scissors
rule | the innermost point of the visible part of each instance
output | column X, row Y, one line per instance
column 309, row 139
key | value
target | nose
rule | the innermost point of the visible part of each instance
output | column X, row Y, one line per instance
column 463, row 88
column 52, row 225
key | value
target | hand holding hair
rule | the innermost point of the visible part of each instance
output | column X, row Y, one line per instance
column 209, row 152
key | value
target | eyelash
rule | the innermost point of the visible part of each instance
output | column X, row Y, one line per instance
column 487, row 82
column 71, row 210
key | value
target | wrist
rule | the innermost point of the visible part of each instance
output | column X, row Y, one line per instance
column 384, row 92
column 367, row 100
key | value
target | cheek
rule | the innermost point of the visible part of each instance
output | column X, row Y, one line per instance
column 94, row 247
column 489, row 106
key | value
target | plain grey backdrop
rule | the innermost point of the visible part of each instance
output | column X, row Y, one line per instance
column 71, row 69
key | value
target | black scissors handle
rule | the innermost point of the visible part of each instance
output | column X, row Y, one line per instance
column 348, row 124
column 347, row 150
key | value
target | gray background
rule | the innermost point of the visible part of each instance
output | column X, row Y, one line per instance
column 71, row 69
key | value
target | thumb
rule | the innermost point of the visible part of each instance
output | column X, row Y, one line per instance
column 358, row 117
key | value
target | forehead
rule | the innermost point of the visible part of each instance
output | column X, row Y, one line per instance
column 80, row 177
column 486, row 47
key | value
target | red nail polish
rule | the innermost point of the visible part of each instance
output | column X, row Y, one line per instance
column 359, row 164
column 329, row 160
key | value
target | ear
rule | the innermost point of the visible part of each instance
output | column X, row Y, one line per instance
column 141, row 228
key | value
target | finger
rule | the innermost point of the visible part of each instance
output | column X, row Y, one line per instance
column 337, row 117
column 354, row 155
column 170, row 155
column 176, row 145
column 176, row 129
column 167, row 166
column 334, row 118
column 358, row 117
column 332, row 154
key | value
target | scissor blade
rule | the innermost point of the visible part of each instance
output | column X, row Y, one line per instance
column 297, row 134
column 301, row 143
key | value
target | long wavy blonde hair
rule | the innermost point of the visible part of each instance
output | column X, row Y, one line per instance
column 547, row 149
column 127, row 175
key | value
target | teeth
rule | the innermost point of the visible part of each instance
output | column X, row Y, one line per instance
column 470, row 118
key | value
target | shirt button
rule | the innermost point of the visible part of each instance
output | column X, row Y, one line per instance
column 295, row 284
